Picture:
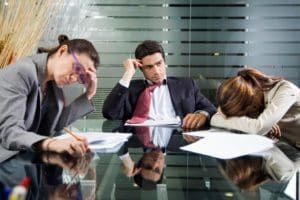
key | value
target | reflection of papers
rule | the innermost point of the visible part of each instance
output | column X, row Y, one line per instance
column 103, row 142
column 158, row 122
column 226, row 145
column 291, row 188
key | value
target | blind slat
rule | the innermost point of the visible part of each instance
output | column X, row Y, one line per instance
column 217, row 60
column 148, row 11
column 198, row 35
column 178, row 24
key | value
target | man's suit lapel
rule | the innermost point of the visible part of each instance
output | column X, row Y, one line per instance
column 137, row 89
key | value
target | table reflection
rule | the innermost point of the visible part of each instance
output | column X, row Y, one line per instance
column 151, row 165
column 155, row 142
column 248, row 172
column 52, row 175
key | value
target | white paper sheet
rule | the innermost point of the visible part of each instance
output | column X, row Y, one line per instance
column 227, row 145
column 102, row 141
column 291, row 188
column 158, row 122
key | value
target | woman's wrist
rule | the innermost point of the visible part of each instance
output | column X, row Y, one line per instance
column 46, row 144
column 90, row 95
column 39, row 146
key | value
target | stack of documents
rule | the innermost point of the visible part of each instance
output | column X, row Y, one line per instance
column 158, row 122
column 226, row 145
column 102, row 142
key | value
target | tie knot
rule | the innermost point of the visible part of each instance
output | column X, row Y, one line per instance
column 152, row 87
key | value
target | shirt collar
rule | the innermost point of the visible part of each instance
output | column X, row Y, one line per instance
column 148, row 82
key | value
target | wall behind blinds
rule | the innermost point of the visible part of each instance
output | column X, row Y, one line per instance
column 207, row 40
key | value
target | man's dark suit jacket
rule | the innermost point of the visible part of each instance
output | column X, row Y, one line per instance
column 185, row 96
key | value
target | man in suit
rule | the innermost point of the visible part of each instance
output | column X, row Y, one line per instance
column 174, row 97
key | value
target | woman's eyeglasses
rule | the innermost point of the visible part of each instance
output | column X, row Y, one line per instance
column 79, row 69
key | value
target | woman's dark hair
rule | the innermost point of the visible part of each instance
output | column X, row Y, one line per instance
column 148, row 47
column 76, row 45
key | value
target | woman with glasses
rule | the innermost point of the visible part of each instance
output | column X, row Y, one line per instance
column 32, row 103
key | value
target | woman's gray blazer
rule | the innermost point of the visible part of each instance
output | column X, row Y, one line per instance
column 21, row 122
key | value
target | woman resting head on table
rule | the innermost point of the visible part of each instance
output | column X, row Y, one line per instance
column 32, row 103
column 256, row 103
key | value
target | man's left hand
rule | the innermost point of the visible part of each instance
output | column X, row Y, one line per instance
column 193, row 120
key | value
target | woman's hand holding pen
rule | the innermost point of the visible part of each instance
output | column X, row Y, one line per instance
column 70, row 145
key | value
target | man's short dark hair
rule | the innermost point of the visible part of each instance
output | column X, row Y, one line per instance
column 144, row 183
column 148, row 47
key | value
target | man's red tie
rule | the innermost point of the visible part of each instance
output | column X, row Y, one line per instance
column 142, row 107
column 143, row 133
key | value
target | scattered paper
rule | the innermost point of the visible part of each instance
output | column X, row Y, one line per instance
column 102, row 141
column 226, row 145
column 291, row 188
column 158, row 122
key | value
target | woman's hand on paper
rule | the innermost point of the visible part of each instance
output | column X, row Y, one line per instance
column 69, row 145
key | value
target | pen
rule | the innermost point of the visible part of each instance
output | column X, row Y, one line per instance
column 72, row 134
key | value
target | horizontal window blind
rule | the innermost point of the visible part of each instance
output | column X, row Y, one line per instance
column 208, row 40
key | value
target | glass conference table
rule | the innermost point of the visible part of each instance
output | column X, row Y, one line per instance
column 141, row 171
